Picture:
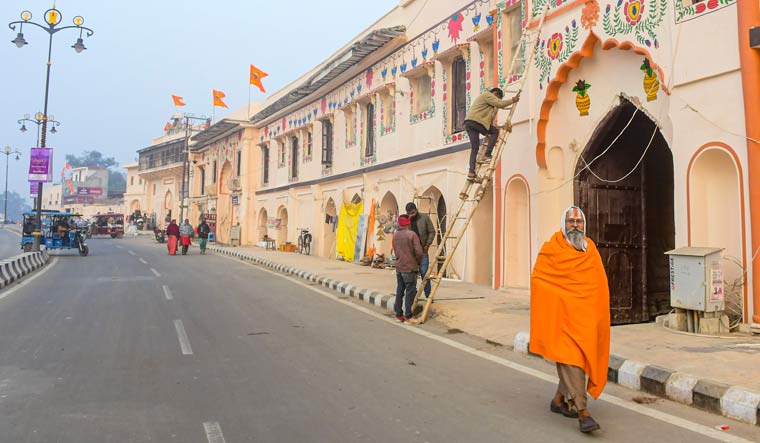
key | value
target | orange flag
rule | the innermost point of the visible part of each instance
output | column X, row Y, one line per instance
column 218, row 96
column 167, row 127
column 178, row 101
column 256, row 76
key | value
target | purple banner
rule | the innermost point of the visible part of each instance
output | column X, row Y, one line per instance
column 40, row 164
column 33, row 189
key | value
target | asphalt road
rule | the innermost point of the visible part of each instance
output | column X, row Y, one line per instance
column 10, row 242
column 131, row 345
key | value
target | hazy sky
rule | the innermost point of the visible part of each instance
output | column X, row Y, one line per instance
column 115, row 96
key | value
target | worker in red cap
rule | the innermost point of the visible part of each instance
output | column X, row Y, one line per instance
column 408, row 250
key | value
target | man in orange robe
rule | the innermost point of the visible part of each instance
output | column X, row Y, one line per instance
column 570, row 316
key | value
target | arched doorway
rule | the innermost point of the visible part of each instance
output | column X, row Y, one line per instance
column 480, row 242
column 388, row 214
column 262, row 225
column 517, row 234
column 167, row 209
column 627, row 195
column 328, row 235
column 282, row 229
column 433, row 203
column 134, row 206
column 716, row 218
column 224, row 205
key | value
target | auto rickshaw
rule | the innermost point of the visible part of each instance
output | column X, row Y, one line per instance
column 59, row 231
column 107, row 224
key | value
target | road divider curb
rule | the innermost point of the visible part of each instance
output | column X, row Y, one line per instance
column 734, row 402
column 16, row 267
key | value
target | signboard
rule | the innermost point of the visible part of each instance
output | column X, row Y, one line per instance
column 79, row 199
column 40, row 164
column 89, row 191
column 33, row 189
column 717, row 294
column 235, row 200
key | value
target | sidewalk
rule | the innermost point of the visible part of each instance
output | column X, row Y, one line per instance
column 721, row 375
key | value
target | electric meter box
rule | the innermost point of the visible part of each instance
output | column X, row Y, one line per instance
column 696, row 279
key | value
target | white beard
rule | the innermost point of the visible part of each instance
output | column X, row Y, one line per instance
column 577, row 239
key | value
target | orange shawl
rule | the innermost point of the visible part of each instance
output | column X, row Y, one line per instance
column 570, row 309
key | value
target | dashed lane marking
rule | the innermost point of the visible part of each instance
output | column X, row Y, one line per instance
column 155, row 272
column 184, row 342
column 168, row 293
column 213, row 432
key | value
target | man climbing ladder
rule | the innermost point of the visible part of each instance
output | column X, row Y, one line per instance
column 479, row 121
column 480, row 172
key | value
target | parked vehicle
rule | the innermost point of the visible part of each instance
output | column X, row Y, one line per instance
column 60, row 230
column 111, row 224
column 304, row 241
column 160, row 234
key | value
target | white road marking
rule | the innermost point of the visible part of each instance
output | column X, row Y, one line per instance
column 131, row 252
column 119, row 247
column 213, row 432
column 12, row 232
column 617, row 401
column 26, row 282
column 184, row 342
column 168, row 293
column 143, row 261
column 155, row 272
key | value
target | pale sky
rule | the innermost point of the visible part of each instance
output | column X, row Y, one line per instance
column 115, row 96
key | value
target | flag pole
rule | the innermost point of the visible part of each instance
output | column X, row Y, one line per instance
column 249, row 100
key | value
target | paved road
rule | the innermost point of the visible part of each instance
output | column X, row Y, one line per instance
column 130, row 345
column 10, row 241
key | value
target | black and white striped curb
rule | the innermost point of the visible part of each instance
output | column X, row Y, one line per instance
column 16, row 267
column 371, row 296
column 731, row 401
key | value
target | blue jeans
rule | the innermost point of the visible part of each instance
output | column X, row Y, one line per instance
column 406, row 283
column 423, row 269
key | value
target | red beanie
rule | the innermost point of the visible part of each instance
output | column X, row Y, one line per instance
column 403, row 220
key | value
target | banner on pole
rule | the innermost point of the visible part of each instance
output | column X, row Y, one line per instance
column 40, row 165
column 33, row 186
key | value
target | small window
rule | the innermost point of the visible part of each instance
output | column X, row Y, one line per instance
column 309, row 141
column 132, row 181
column 281, row 154
column 512, row 36
column 294, row 158
column 327, row 142
column 459, row 94
column 203, row 180
column 154, row 189
column 239, row 161
column 213, row 173
column 422, row 93
column 388, row 109
column 348, row 113
column 369, row 142
column 265, row 166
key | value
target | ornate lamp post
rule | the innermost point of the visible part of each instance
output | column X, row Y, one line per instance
column 38, row 119
column 8, row 151
column 53, row 18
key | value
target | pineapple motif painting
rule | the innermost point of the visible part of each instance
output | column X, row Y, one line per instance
column 651, row 82
column 582, row 100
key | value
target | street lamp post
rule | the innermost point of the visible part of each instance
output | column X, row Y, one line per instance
column 8, row 151
column 38, row 119
column 185, row 165
column 53, row 18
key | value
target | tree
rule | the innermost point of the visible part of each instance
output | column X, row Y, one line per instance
column 16, row 205
column 117, row 180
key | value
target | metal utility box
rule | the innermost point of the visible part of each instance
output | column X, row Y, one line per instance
column 696, row 279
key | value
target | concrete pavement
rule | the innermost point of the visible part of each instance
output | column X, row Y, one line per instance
column 138, row 346
column 716, row 374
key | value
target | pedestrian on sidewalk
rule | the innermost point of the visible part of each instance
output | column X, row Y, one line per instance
column 408, row 250
column 570, row 316
column 479, row 121
column 203, row 230
column 423, row 227
column 172, row 233
column 186, row 233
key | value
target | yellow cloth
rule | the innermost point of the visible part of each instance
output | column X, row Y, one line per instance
column 348, row 226
column 570, row 309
